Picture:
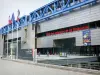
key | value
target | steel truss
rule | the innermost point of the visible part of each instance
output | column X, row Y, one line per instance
column 46, row 12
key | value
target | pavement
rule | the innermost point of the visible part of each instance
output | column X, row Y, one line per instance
column 20, row 67
column 57, row 57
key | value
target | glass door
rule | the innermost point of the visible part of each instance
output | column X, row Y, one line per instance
column 13, row 47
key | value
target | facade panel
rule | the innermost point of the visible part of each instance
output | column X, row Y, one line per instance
column 81, row 16
column 95, row 38
column 15, row 34
column 48, row 40
column 29, row 38
column 1, row 45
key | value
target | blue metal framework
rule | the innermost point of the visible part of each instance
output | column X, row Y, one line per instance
column 54, row 8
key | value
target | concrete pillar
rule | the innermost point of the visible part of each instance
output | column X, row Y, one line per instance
column 1, row 45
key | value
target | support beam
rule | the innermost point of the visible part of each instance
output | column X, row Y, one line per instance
column 47, row 11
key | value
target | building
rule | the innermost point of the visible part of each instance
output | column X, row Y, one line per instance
column 67, row 27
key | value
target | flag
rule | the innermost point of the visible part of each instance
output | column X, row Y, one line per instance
column 18, row 15
column 13, row 18
column 9, row 21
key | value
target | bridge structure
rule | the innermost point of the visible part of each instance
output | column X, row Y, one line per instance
column 46, row 12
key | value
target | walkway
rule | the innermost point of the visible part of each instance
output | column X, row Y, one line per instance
column 15, row 68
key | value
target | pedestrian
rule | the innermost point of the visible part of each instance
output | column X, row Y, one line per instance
column 47, row 53
column 1, row 57
column 39, row 54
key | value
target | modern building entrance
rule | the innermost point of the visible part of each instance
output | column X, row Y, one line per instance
column 64, row 45
column 10, row 47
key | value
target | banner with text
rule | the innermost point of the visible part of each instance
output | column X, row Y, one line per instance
column 86, row 37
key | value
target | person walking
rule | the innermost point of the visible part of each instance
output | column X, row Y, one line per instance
column 48, row 53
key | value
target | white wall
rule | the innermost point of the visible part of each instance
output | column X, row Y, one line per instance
column 1, row 45
column 15, row 34
column 30, row 41
column 48, row 40
column 95, row 38
column 80, row 16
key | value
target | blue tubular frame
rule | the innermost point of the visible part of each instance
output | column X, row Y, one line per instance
column 53, row 8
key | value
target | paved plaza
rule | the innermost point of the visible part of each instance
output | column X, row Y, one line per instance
column 15, row 68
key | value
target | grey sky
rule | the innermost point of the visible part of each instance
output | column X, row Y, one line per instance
column 7, row 7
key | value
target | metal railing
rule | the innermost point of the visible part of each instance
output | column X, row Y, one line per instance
column 87, row 65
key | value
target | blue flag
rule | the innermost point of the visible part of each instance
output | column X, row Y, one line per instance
column 13, row 18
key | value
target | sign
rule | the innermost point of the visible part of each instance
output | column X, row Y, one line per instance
column 63, row 30
column 86, row 37
column 67, row 30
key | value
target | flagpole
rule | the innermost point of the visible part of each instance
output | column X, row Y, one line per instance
column 12, row 44
column 17, row 41
column 12, row 41
column 7, row 38
column 17, row 31
column 7, row 45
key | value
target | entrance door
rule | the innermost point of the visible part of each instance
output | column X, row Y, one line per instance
column 65, row 45
column 13, row 48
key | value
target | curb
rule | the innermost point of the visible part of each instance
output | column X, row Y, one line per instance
column 86, row 71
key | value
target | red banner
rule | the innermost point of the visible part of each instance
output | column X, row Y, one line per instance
column 32, row 52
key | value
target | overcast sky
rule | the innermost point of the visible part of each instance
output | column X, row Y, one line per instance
column 7, row 7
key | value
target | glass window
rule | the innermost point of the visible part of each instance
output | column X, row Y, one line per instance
column 92, row 25
column 98, row 24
